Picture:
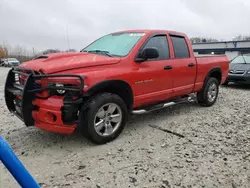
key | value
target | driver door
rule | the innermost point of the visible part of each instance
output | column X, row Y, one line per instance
column 153, row 81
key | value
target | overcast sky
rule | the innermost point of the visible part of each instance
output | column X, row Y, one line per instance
column 42, row 23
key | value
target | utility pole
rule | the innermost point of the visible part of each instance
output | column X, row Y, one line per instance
column 33, row 52
column 67, row 33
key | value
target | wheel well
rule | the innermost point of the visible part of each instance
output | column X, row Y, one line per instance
column 215, row 73
column 118, row 87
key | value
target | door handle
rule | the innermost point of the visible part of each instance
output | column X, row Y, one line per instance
column 169, row 67
column 191, row 64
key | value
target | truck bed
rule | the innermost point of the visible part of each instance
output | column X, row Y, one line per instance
column 206, row 63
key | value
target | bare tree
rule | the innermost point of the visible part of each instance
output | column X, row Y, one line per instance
column 71, row 50
column 241, row 38
column 3, row 52
column 202, row 39
column 50, row 51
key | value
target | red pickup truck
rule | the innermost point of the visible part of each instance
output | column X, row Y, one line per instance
column 133, row 71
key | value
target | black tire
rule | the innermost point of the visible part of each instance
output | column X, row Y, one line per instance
column 88, row 113
column 203, row 95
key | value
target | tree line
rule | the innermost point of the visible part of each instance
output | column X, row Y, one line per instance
column 23, row 54
column 209, row 39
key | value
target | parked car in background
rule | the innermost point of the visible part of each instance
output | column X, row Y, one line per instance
column 239, row 70
column 11, row 62
column 1, row 62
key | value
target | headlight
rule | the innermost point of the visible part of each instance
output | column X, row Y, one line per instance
column 248, row 72
column 60, row 91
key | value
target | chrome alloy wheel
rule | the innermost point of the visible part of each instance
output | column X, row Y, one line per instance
column 108, row 119
column 212, row 92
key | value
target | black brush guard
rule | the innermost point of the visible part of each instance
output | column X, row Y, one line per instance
column 27, row 91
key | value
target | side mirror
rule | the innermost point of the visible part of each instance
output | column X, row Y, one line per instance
column 148, row 53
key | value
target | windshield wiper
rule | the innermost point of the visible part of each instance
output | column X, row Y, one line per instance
column 244, row 60
column 99, row 51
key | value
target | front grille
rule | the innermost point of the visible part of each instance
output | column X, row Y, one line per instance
column 17, row 79
column 237, row 71
column 20, row 79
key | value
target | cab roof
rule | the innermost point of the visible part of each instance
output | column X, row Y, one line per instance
column 151, row 31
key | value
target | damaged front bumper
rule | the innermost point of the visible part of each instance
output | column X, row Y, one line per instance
column 34, row 99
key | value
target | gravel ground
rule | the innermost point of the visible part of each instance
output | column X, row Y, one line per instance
column 214, row 151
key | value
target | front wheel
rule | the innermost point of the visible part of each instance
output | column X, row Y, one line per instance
column 209, row 93
column 103, row 118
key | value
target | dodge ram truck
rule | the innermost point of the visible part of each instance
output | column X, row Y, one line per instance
column 122, row 73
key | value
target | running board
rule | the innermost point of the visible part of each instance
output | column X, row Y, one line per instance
column 161, row 106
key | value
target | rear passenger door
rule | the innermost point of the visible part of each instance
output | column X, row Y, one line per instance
column 184, row 66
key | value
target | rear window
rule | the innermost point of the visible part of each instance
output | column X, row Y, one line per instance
column 12, row 60
column 180, row 47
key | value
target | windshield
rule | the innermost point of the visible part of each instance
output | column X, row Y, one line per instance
column 117, row 44
column 12, row 60
column 241, row 59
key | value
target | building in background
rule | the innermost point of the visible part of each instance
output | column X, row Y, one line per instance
column 230, row 48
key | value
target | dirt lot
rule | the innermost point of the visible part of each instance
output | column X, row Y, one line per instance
column 213, row 153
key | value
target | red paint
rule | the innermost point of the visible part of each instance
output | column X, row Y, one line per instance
column 42, row 116
column 181, row 80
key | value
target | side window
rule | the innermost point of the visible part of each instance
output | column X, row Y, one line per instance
column 161, row 43
column 180, row 47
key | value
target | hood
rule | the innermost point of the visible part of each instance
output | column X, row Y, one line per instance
column 237, row 66
column 58, row 62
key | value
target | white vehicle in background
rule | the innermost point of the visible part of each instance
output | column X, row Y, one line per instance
column 11, row 62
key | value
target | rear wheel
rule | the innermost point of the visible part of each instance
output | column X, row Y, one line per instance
column 103, row 118
column 209, row 93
